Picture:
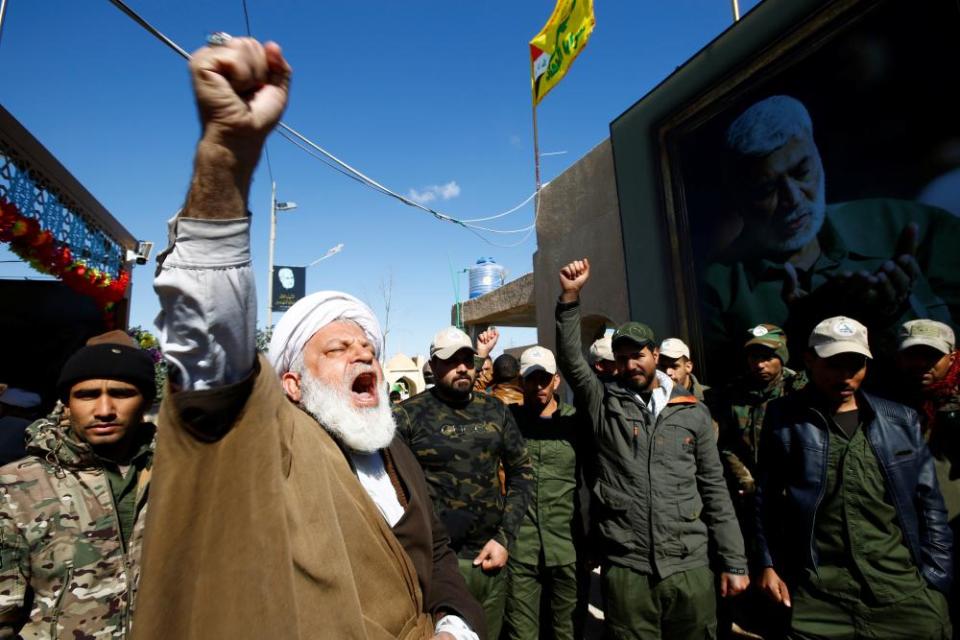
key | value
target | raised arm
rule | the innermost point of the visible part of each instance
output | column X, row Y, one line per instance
column 486, row 341
column 586, row 386
column 204, row 280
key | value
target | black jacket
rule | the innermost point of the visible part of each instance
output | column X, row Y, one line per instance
column 792, row 477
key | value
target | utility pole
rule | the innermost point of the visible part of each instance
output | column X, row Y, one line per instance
column 274, row 207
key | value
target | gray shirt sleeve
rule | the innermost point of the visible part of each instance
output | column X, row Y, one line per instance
column 208, row 318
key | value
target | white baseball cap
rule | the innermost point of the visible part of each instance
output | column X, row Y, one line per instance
column 448, row 341
column 674, row 348
column 601, row 349
column 837, row 335
column 537, row 359
column 929, row 333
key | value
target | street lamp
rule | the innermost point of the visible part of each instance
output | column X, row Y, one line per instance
column 332, row 251
column 274, row 208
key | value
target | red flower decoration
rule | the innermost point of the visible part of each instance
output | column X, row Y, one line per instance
column 38, row 247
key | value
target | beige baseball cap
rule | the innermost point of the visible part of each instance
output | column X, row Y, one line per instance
column 929, row 333
column 448, row 341
column 837, row 335
column 537, row 359
column 601, row 349
column 674, row 348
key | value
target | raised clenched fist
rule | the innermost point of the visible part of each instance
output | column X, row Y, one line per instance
column 572, row 278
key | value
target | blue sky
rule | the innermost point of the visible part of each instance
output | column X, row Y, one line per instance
column 415, row 94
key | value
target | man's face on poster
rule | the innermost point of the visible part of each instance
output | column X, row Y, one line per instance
column 286, row 277
column 782, row 196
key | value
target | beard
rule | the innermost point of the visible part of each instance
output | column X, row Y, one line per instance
column 360, row 429
column 815, row 209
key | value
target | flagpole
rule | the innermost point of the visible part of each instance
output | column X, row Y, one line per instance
column 536, row 157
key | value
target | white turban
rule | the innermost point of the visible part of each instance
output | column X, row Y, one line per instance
column 309, row 315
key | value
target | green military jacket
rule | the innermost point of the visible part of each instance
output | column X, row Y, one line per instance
column 739, row 292
column 62, row 554
column 552, row 526
column 698, row 389
column 861, row 554
column 660, row 487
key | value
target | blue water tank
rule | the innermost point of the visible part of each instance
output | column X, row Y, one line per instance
column 485, row 276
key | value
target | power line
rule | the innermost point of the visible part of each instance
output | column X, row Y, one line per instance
column 266, row 147
column 246, row 18
column 328, row 158
column 3, row 13
column 119, row 4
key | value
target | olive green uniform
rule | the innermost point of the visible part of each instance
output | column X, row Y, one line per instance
column 545, row 553
column 866, row 584
column 945, row 447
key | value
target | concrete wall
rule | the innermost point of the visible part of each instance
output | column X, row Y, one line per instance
column 580, row 217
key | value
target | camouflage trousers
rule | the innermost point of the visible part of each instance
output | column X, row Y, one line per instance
column 921, row 616
column 524, row 591
column 490, row 590
column 639, row 606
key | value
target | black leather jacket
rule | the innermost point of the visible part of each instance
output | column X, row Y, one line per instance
column 792, row 477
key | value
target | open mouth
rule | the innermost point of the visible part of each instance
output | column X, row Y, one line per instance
column 364, row 389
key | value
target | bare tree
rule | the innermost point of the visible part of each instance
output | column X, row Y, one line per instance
column 386, row 293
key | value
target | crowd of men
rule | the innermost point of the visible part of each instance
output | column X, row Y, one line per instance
column 287, row 495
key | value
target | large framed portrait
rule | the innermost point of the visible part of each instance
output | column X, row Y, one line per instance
column 807, row 169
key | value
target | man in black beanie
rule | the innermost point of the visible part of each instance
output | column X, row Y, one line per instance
column 72, row 512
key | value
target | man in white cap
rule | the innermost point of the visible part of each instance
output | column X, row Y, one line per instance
column 929, row 381
column 851, row 529
column 546, row 554
column 602, row 360
column 460, row 438
column 926, row 357
column 675, row 361
column 264, row 523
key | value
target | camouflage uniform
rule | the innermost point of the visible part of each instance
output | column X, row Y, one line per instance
column 62, row 552
column 507, row 392
column 740, row 415
column 460, row 447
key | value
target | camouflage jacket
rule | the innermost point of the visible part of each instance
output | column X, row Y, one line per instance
column 460, row 448
column 506, row 392
column 62, row 555
column 740, row 414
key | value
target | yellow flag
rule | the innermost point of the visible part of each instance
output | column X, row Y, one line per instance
column 553, row 50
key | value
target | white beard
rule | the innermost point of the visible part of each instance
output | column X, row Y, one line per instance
column 363, row 430
column 817, row 208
